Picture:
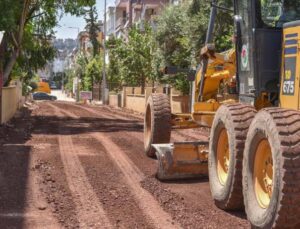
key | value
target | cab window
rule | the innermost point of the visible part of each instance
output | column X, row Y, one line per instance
column 275, row 13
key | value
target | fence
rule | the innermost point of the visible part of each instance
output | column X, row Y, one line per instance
column 12, row 100
column 134, row 99
column 97, row 92
column 97, row 89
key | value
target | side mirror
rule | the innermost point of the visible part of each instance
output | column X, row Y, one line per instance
column 238, row 31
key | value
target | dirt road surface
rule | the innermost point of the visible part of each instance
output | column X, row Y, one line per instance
column 65, row 165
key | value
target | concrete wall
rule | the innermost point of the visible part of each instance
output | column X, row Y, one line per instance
column 11, row 102
column 136, row 103
column 115, row 100
column 180, row 104
column 133, row 99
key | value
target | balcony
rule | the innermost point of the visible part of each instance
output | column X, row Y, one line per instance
column 137, row 4
column 120, row 22
column 121, row 3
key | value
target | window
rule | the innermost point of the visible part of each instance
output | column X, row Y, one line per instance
column 275, row 13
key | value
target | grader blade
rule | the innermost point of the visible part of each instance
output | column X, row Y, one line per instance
column 181, row 160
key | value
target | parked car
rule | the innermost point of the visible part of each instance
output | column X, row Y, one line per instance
column 53, row 85
column 43, row 96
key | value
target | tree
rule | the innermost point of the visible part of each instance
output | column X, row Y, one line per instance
column 93, row 27
column 133, row 58
column 181, row 33
column 177, row 40
column 36, row 18
column 174, row 44
column 115, row 64
column 70, row 75
column 93, row 72
column 81, row 64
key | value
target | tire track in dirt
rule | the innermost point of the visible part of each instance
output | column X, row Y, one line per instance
column 136, row 152
column 50, row 168
column 177, row 135
column 110, row 185
column 137, row 145
column 189, row 202
column 133, row 176
column 105, row 178
column 180, row 199
column 89, row 210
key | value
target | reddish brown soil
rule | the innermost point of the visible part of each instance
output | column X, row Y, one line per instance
column 77, row 166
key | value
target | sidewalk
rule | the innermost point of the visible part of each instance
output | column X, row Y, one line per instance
column 61, row 96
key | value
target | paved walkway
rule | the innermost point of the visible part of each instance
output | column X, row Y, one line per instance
column 61, row 96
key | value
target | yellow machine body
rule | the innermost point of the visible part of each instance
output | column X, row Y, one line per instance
column 222, row 70
column 182, row 160
column 43, row 87
column 253, row 149
column 220, row 73
column 289, row 92
column 189, row 159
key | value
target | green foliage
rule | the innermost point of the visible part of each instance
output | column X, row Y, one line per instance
column 80, row 70
column 115, row 64
column 8, row 14
column 93, row 27
column 131, row 61
column 70, row 75
column 28, row 27
column 177, row 40
column 88, row 70
column 93, row 72
column 181, row 33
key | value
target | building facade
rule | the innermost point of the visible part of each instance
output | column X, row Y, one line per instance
column 128, row 12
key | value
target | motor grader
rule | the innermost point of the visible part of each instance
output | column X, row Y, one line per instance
column 249, row 97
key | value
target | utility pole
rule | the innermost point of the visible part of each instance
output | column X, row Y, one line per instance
column 130, row 13
column 104, row 80
column 1, row 71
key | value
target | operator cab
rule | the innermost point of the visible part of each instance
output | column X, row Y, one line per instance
column 258, row 26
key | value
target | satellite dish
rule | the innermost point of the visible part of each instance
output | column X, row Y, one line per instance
column 1, row 36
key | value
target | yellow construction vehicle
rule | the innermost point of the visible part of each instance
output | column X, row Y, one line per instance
column 249, row 97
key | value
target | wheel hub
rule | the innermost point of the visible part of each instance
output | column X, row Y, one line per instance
column 263, row 173
column 223, row 157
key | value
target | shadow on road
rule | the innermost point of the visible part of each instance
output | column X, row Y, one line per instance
column 70, row 126
column 14, row 167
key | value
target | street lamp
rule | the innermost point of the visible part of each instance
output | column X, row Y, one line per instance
column 1, row 70
column 71, row 27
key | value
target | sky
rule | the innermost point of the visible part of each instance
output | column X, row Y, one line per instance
column 64, row 31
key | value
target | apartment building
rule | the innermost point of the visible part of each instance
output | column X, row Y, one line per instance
column 111, row 20
column 85, row 45
column 128, row 12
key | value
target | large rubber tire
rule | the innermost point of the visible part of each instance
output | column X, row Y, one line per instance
column 281, row 129
column 235, row 119
column 157, row 124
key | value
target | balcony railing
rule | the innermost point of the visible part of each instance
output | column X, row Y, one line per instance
column 137, row 4
column 121, row 22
